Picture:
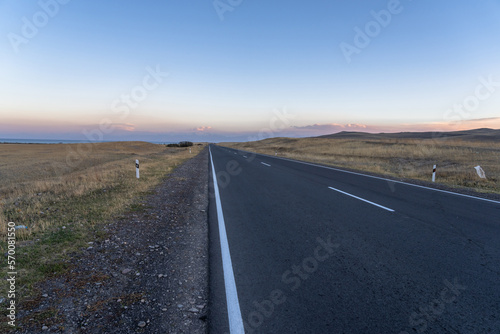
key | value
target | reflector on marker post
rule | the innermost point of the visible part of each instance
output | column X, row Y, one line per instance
column 137, row 168
column 434, row 174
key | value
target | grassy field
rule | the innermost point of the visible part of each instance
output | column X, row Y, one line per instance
column 401, row 158
column 63, row 194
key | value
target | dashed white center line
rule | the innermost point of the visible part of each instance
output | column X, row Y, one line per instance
column 362, row 199
column 265, row 164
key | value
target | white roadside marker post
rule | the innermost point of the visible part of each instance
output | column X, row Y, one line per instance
column 190, row 150
column 137, row 168
column 434, row 174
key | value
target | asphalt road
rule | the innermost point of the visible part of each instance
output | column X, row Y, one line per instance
column 308, row 249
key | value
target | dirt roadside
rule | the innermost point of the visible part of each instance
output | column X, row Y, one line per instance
column 149, row 274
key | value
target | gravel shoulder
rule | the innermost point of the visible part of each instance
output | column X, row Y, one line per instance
column 149, row 274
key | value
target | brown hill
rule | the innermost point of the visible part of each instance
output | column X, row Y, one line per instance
column 483, row 134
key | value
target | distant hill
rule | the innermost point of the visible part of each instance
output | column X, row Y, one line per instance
column 476, row 134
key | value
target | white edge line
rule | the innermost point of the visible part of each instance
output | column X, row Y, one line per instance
column 362, row 199
column 265, row 164
column 233, row 305
column 378, row 177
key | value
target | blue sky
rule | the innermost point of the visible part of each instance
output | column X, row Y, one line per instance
column 232, row 78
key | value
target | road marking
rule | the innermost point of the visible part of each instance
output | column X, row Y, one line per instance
column 233, row 305
column 362, row 199
column 244, row 156
column 265, row 164
column 380, row 178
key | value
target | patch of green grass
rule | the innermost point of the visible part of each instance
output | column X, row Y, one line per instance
column 53, row 268
column 136, row 207
column 60, row 236
column 46, row 314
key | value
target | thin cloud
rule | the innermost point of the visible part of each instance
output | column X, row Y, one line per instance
column 466, row 124
column 202, row 128
column 124, row 126
column 331, row 127
column 487, row 120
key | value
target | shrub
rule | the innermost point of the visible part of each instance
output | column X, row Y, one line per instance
column 185, row 144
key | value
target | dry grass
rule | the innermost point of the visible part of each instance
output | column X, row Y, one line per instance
column 402, row 158
column 63, row 193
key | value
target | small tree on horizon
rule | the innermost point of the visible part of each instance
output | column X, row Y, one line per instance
column 185, row 144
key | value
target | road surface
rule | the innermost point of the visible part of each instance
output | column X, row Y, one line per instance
column 299, row 248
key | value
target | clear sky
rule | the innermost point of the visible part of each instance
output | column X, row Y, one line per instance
column 239, row 69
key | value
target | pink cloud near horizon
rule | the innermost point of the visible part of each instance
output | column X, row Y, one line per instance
column 202, row 128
